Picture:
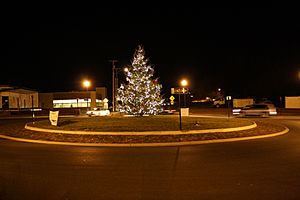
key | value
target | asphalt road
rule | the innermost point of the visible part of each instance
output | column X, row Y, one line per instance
column 257, row 169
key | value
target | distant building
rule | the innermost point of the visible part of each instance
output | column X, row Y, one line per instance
column 292, row 102
column 20, row 98
column 73, row 99
column 17, row 98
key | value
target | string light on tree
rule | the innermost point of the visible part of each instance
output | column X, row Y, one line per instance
column 141, row 96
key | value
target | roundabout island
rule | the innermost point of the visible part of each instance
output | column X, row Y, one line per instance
column 129, row 131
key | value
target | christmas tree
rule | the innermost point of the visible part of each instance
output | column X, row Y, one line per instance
column 141, row 96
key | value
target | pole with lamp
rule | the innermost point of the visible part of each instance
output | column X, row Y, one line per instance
column 180, row 125
column 32, row 108
column 228, row 98
column 116, row 84
column 183, row 83
column 113, row 83
column 87, row 84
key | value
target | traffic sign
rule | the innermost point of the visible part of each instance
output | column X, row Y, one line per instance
column 179, row 90
column 172, row 98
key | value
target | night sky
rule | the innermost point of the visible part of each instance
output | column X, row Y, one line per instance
column 244, row 51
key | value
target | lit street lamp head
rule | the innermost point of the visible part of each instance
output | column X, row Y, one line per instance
column 184, row 83
column 86, row 83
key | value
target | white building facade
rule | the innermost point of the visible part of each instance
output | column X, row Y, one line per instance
column 13, row 98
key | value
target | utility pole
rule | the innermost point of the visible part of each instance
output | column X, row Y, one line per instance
column 113, row 83
column 32, row 105
column 180, row 123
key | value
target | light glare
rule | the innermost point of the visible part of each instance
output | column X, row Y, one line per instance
column 184, row 82
column 86, row 83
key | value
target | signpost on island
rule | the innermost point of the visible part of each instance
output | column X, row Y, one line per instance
column 179, row 91
column 228, row 98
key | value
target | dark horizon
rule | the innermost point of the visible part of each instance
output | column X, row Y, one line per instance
column 245, row 51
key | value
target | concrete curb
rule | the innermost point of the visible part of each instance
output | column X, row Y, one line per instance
column 147, row 144
column 222, row 130
column 36, row 117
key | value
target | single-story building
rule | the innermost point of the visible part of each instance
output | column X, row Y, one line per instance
column 73, row 99
column 292, row 102
column 17, row 98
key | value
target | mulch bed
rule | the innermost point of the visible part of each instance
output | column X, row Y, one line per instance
column 263, row 127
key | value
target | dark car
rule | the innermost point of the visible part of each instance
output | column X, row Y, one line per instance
column 262, row 110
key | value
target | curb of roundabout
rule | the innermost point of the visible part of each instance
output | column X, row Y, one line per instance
column 222, row 130
column 158, row 144
column 145, row 144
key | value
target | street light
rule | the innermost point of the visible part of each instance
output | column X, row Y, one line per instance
column 118, row 69
column 113, row 83
column 184, row 83
column 87, row 84
column 115, row 80
column 32, row 109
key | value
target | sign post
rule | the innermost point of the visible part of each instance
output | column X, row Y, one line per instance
column 53, row 117
column 180, row 91
column 228, row 98
column 172, row 98
column 180, row 126
column 105, row 105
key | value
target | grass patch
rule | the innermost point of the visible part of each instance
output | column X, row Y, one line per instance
column 149, row 123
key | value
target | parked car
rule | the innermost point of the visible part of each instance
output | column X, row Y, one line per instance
column 262, row 110
column 98, row 112
column 219, row 102
column 168, row 108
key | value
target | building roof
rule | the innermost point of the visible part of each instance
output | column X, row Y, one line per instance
column 5, row 87
column 23, row 90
